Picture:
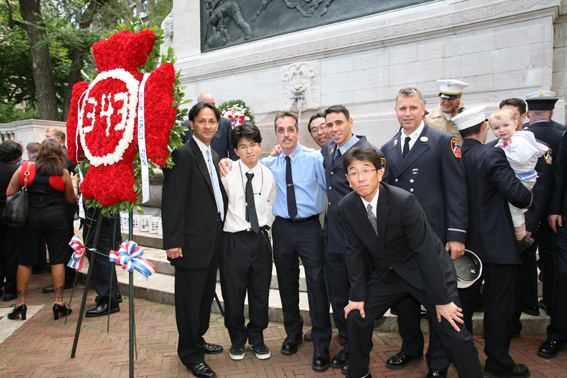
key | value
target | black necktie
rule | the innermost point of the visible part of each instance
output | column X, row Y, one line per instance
column 337, row 152
column 291, row 204
column 406, row 147
column 251, row 215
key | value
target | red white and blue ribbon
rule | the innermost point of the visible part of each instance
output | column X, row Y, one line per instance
column 78, row 256
column 129, row 255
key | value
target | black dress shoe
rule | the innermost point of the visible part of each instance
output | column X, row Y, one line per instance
column 202, row 370
column 49, row 289
column 9, row 297
column 401, row 359
column 340, row 360
column 289, row 346
column 550, row 348
column 517, row 371
column 320, row 359
column 307, row 336
column 344, row 369
column 533, row 311
column 212, row 348
column 433, row 373
column 101, row 310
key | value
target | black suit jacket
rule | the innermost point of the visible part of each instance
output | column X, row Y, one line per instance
column 406, row 244
column 555, row 125
column 189, row 209
column 337, row 188
column 491, row 184
column 433, row 172
column 547, row 134
column 558, row 201
column 221, row 141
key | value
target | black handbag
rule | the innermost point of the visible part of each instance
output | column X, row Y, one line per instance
column 16, row 211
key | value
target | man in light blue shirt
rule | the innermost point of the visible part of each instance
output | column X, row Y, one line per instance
column 297, row 233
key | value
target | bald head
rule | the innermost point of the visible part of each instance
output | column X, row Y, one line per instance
column 540, row 115
column 206, row 97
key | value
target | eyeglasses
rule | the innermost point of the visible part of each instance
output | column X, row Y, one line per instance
column 315, row 130
column 244, row 147
column 364, row 172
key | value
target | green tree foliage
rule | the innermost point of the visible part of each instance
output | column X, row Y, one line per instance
column 72, row 27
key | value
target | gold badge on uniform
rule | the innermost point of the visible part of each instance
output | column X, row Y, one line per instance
column 456, row 147
column 548, row 157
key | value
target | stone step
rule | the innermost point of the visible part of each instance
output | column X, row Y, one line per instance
column 159, row 288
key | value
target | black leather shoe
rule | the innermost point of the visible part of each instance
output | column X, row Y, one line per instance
column 320, row 359
column 49, row 289
column 436, row 374
column 9, row 297
column 212, row 349
column 517, row 371
column 202, row 370
column 307, row 336
column 533, row 311
column 101, row 310
column 289, row 346
column 400, row 360
column 340, row 360
column 550, row 348
column 344, row 369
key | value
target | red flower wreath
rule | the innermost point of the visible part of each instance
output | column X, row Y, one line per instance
column 103, row 120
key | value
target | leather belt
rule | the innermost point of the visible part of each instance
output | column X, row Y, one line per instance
column 300, row 220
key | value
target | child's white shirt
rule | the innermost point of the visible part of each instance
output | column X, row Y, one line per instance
column 522, row 151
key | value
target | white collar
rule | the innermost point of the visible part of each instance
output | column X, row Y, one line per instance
column 373, row 202
column 202, row 146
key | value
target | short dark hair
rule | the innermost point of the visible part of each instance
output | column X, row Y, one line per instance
column 10, row 150
column 364, row 153
column 470, row 131
column 338, row 109
column 285, row 114
column 517, row 102
column 314, row 116
column 32, row 147
column 246, row 130
column 201, row 105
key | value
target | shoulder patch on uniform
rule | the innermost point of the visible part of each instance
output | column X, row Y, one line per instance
column 456, row 147
column 383, row 160
column 548, row 157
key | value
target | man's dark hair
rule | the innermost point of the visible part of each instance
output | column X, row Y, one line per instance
column 517, row 102
column 246, row 130
column 201, row 105
column 338, row 109
column 314, row 116
column 10, row 150
column 363, row 153
column 285, row 114
column 470, row 131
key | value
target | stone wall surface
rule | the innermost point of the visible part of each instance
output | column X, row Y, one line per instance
column 501, row 48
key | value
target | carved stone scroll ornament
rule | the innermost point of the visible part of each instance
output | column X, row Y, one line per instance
column 301, row 86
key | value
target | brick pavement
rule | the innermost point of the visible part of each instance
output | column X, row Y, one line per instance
column 42, row 347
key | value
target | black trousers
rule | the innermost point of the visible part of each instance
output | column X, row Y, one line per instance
column 557, row 328
column 498, row 297
column 459, row 346
column 104, row 272
column 291, row 242
column 246, row 266
column 9, row 238
column 525, row 293
column 339, row 287
column 194, row 293
column 409, row 320
column 546, row 245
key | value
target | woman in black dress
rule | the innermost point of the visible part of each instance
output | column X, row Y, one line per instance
column 46, row 218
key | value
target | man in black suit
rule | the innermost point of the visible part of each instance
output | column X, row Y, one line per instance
column 194, row 203
column 491, row 184
column 387, row 225
column 427, row 163
column 221, row 141
column 557, row 329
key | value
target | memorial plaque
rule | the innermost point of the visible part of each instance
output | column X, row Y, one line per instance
column 227, row 23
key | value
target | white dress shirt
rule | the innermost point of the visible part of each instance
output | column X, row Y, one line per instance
column 413, row 136
column 373, row 202
column 264, row 187
column 203, row 147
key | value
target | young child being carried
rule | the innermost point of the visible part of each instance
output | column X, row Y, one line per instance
column 522, row 151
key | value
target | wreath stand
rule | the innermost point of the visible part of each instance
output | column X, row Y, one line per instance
column 131, row 318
